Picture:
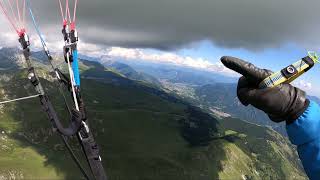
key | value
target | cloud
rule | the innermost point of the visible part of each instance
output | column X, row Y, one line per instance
column 172, row 24
column 166, row 58
column 302, row 84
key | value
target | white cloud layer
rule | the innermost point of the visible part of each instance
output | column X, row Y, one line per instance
column 168, row 58
column 303, row 84
column 100, row 51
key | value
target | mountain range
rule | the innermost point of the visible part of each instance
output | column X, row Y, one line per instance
column 213, row 92
column 145, row 131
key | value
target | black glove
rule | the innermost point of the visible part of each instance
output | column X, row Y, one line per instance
column 282, row 103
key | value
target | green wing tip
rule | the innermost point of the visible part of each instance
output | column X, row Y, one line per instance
column 314, row 56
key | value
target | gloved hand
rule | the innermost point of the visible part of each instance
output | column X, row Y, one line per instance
column 282, row 103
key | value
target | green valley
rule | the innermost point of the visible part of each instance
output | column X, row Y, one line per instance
column 143, row 132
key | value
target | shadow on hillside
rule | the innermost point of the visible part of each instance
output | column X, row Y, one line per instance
column 199, row 128
column 142, row 139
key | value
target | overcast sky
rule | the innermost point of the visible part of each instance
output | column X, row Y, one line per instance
column 171, row 24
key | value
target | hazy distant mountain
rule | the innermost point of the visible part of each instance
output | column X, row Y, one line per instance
column 131, row 73
column 175, row 74
column 223, row 97
column 315, row 99
column 8, row 61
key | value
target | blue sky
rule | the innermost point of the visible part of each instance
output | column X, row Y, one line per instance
column 272, row 58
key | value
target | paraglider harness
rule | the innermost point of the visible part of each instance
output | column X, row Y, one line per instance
column 44, row 99
column 79, row 123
